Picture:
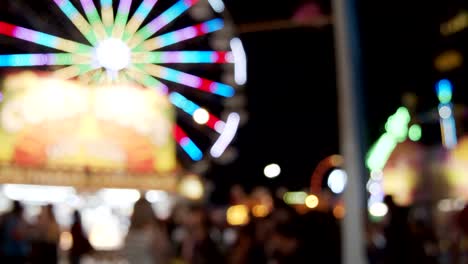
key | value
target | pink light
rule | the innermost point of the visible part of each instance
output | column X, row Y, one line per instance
column 190, row 80
column 88, row 5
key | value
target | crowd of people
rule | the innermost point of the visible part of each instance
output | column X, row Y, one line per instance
column 199, row 234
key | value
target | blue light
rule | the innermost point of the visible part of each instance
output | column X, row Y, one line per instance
column 222, row 89
column 444, row 90
column 69, row 9
column 213, row 25
column 106, row 3
column 168, row 39
column 143, row 10
column 46, row 40
column 16, row 60
column 183, row 103
column 191, row 149
column 174, row 11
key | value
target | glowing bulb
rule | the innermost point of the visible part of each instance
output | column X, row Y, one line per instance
column 272, row 170
column 191, row 187
column 337, row 180
column 201, row 116
column 445, row 112
column 378, row 209
column 311, row 201
column 237, row 215
column 112, row 54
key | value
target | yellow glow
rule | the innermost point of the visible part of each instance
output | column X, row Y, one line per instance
column 133, row 26
column 108, row 16
column 191, row 187
column 339, row 211
column 312, row 201
column 456, row 168
column 237, row 215
column 83, row 125
column 201, row 116
column 448, row 60
column 260, row 210
column 66, row 241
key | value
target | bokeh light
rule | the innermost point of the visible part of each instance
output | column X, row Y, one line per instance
column 272, row 170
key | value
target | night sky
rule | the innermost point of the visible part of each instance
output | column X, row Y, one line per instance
column 292, row 90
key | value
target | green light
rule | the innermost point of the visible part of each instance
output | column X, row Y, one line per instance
column 415, row 132
column 295, row 197
column 397, row 124
column 380, row 152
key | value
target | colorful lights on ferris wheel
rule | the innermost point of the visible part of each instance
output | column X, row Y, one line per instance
column 121, row 48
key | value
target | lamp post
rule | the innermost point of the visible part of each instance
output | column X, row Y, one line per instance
column 347, row 61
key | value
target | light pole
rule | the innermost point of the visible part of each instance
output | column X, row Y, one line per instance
column 348, row 76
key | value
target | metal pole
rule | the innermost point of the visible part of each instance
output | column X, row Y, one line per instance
column 348, row 76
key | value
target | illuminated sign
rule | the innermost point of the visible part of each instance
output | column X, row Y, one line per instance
column 53, row 124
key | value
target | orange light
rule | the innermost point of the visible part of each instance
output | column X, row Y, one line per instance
column 237, row 215
column 339, row 211
column 260, row 210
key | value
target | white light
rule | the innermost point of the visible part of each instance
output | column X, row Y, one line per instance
column 240, row 61
column 445, row 205
column 378, row 209
column 104, row 230
column 191, row 187
column 227, row 136
column 119, row 197
column 376, row 175
column 373, row 187
column 113, row 54
column 217, row 5
column 219, row 126
column 337, row 180
column 445, row 112
column 201, row 116
column 272, row 170
column 154, row 196
column 37, row 193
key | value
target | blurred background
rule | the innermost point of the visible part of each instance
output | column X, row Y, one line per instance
column 212, row 127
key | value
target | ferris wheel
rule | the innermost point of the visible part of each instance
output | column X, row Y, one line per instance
column 185, row 49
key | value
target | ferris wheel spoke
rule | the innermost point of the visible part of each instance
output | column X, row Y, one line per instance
column 189, row 80
column 187, row 144
column 43, row 38
column 146, row 79
column 47, row 59
column 93, row 18
column 86, row 78
column 107, row 13
column 72, row 71
column 159, row 57
column 97, row 75
column 138, row 17
column 77, row 19
column 161, row 21
column 199, row 114
column 183, row 34
column 121, row 18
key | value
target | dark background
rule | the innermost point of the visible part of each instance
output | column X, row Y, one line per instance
column 291, row 89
